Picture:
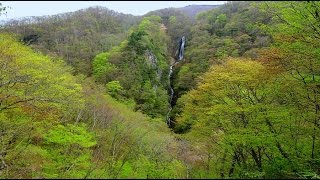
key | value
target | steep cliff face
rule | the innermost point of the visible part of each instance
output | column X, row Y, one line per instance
column 153, row 62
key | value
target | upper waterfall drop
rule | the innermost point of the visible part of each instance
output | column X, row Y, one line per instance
column 181, row 48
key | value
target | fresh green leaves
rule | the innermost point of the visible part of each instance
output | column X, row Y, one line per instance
column 136, row 69
column 69, row 135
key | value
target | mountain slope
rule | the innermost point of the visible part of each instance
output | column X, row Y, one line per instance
column 193, row 10
column 76, row 36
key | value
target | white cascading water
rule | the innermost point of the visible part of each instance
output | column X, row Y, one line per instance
column 179, row 58
column 181, row 48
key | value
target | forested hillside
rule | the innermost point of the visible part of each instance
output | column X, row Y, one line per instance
column 87, row 94
column 256, row 112
column 137, row 68
column 229, row 31
column 76, row 36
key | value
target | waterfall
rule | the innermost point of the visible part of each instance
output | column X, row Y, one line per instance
column 171, row 95
column 179, row 58
column 181, row 48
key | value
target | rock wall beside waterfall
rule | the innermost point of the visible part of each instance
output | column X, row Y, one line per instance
column 153, row 62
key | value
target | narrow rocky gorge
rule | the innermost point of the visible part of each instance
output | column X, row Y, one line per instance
column 171, row 91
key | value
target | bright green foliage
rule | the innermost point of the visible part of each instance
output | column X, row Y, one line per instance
column 114, row 89
column 102, row 67
column 16, row 130
column 69, row 135
column 296, row 34
column 35, row 92
column 228, row 31
column 244, row 116
column 221, row 80
column 38, row 149
column 247, row 109
column 86, row 135
column 36, row 80
column 129, row 144
column 68, row 151
column 261, row 121
column 221, row 20
column 139, row 65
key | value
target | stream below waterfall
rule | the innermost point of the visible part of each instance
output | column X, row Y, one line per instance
column 178, row 59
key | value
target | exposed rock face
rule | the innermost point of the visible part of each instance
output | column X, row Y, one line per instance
column 153, row 61
column 163, row 28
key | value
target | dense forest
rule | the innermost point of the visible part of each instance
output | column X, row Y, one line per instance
column 89, row 94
